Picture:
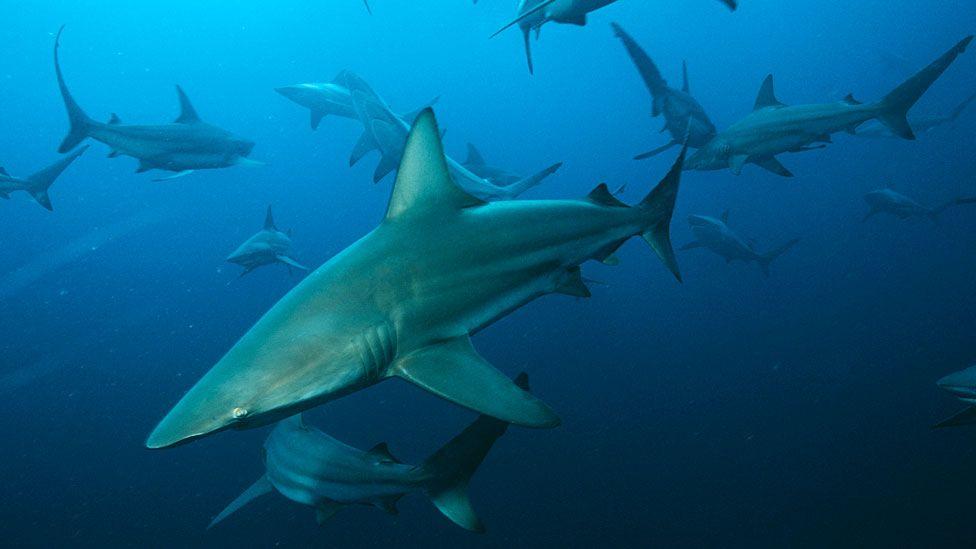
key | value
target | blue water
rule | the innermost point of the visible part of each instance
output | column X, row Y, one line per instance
column 731, row 410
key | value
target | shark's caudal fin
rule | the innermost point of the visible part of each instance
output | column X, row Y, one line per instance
column 765, row 259
column 42, row 180
column 79, row 121
column 659, row 205
column 261, row 487
column 965, row 417
column 646, row 68
column 453, row 465
column 474, row 157
column 526, row 183
column 895, row 106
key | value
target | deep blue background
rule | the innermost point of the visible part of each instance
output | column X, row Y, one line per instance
column 730, row 410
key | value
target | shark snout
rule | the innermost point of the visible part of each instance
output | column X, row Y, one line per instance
column 961, row 384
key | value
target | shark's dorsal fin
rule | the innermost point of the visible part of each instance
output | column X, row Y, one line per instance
column 685, row 87
column 188, row 115
column 114, row 119
column 269, row 224
column 381, row 453
column 725, row 217
column 474, row 157
column 423, row 183
column 851, row 101
column 601, row 195
column 767, row 95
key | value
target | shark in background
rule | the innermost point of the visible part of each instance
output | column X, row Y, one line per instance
column 37, row 184
column 716, row 236
column 894, row 203
column 309, row 467
column 405, row 299
column 184, row 146
column 920, row 124
column 267, row 247
column 476, row 164
column 684, row 118
column 774, row 128
column 962, row 385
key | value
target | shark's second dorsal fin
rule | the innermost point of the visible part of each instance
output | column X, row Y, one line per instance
column 767, row 95
column 114, row 119
column 601, row 195
column 685, row 87
column 423, row 183
column 269, row 224
column 188, row 115
column 381, row 453
column 725, row 217
column 851, row 101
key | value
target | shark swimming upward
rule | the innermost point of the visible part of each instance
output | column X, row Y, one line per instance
column 267, row 247
column 774, row 128
column 186, row 145
column 715, row 235
column 405, row 299
column 309, row 467
column 38, row 184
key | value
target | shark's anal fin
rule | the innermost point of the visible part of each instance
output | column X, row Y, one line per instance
column 261, row 487
column 965, row 417
column 454, row 370
column 381, row 454
column 324, row 510
column 571, row 283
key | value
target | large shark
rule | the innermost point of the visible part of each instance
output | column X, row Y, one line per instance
column 774, row 128
column 309, row 467
column 37, row 184
column 896, row 204
column 405, row 299
column 387, row 133
column 531, row 15
column 684, row 117
column 920, row 124
column 268, row 246
column 186, row 145
column 715, row 235
column 963, row 386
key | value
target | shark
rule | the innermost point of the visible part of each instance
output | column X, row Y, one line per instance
column 962, row 385
column 892, row 202
column 38, row 184
column 715, row 235
column 774, row 128
column 267, row 247
column 182, row 147
column 684, row 117
column 921, row 124
column 475, row 163
column 404, row 300
column 531, row 15
column 387, row 133
column 309, row 467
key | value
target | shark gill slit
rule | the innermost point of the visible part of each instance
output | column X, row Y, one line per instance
column 377, row 347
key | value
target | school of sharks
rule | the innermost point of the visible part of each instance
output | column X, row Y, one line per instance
column 457, row 249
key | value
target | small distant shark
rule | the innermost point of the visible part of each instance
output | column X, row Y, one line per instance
column 405, row 299
column 387, row 133
column 716, row 235
column 476, row 164
column 919, row 124
column 309, row 467
column 684, row 117
column 774, row 128
column 533, row 14
column 267, row 247
column 902, row 207
column 38, row 184
column 188, row 144
column 963, row 386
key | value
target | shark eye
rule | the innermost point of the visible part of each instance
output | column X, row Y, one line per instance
column 239, row 412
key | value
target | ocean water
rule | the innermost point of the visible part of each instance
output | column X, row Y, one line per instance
column 730, row 410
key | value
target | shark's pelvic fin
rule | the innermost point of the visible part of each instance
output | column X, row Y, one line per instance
column 767, row 95
column 261, row 487
column 324, row 510
column 381, row 453
column 965, row 417
column 188, row 115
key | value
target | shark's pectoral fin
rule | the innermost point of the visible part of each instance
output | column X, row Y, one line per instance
column 176, row 175
column 770, row 163
column 324, row 510
column 571, row 283
column 965, row 417
column 290, row 262
column 261, row 487
column 316, row 117
column 737, row 162
column 363, row 146
column 454, row 371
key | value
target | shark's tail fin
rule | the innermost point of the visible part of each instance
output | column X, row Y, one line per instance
column 452, row 466
column 41, row 181
column 768, row 257
column 261, row 487
column 645, row 66
column 895, row 106
column 526, row 183
column 659, row 205
column 934, row 213
column 79, row 121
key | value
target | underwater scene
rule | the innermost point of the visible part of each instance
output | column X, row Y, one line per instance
column 489, row 273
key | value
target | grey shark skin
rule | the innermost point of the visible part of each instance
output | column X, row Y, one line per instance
column 533, row 14
column 684, row 117
column 38, row 184
column 267, row 247
column 404, row 300
column 186, row 145
column 774, row 128
column 715, row 235
column 962, row 385
column 309, row 467
column 919, row 124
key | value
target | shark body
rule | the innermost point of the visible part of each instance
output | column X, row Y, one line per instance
column 267, row 247
column 715, row 235
column 38, row 184
column 962, row 385
column 404, row 300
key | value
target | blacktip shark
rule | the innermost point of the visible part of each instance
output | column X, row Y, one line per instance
column 184, row 146
column 405, row 299
column 531, row 15
column 684, row 117
column 921, row 124
column 962, row 385
column 267, row 247
column 387, row 133
column 894, row 203
column 310, row 467
column 774, row 128
column 715, row 235
column 37, row 184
